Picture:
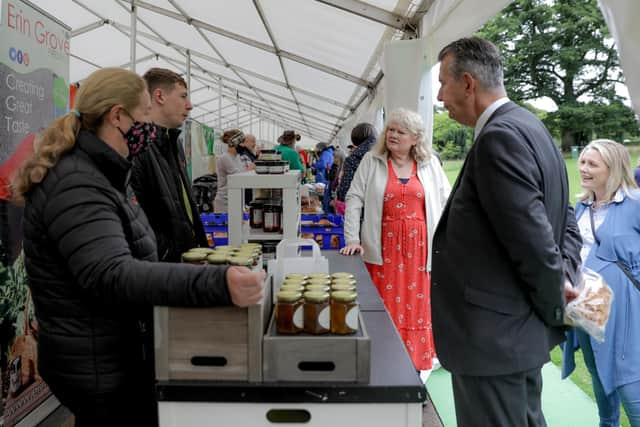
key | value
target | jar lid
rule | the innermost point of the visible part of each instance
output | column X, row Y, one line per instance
column 268, row 151
column 217, row 258
column 256, row 203
column 194, row 256
column 313, row 296
column 344, row 282
column 201, row 250
column 342, row 275
column 343, row 296
column 316, row 287
column 288, row 296
column 319, row 276
column 295, row 276
column 342, row 287
column 290, row 287
column 295, row 281
column 241, row 260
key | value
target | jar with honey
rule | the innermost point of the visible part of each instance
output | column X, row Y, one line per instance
column 197, row 258
column 344, row 313
column 317, row 316
column 289, row 312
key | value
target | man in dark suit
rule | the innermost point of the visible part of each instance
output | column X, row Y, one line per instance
column 505, row 249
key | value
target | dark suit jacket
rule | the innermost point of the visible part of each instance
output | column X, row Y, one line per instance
column 505, row 241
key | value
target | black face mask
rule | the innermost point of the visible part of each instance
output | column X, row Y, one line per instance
column 139, row 136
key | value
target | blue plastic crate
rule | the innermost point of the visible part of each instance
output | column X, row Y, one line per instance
column 216, row 228
column 327, row 236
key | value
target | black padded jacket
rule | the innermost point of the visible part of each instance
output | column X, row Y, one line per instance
column 91, row 261
column 155, row 178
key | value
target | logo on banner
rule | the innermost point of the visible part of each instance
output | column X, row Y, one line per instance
column 16, row 55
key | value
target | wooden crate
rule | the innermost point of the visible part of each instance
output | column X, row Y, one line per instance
column 221, row 343
column 325, row 358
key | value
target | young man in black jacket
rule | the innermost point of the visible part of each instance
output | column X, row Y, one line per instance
column 159, row 178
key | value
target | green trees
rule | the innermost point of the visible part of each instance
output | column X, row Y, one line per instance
column 561, row 49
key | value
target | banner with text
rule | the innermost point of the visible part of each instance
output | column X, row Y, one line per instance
column 34, row 89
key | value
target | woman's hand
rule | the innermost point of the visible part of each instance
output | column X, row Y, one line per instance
column 352, row 249
column 251, row 166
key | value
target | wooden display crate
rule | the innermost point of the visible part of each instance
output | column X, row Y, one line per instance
column 221, row 343
column 325, row 358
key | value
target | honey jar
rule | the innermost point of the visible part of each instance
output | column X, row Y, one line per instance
column 319, row 276
column 289, row 312
column 299, row 276
column 338, row 287
column 344, row 313
column 217, row 258
column 318, row 288
column 292, row 288
column 342, row 275
column 197, row 258
column 317, row 316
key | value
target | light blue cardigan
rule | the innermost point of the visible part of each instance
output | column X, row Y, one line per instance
column 618, row 357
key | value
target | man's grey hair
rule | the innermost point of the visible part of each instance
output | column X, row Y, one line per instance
column 478, row 57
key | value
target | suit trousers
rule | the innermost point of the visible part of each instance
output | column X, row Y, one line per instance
column 499, row 401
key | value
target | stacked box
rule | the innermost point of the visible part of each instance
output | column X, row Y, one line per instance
column 219, row 343
column 326, row 230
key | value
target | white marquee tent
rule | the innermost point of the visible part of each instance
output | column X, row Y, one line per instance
column 316, row 66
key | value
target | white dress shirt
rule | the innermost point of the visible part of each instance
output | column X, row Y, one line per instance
column 486, row 114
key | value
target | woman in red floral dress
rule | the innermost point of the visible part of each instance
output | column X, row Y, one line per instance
column 401, row 189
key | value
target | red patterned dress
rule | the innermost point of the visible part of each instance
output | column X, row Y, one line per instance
column 402, row 279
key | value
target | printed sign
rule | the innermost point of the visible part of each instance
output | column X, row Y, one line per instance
column 34, row 90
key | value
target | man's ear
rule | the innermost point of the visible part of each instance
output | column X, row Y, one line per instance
column 158, row 96
column 470, row 83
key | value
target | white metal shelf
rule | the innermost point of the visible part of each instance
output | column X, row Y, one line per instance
column 289, row 183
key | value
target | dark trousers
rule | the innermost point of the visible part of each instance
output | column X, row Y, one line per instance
column 501, row 401
column 109, row 409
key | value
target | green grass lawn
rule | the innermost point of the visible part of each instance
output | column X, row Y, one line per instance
column 580, row 376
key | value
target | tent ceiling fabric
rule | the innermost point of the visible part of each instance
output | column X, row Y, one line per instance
column 301, row 64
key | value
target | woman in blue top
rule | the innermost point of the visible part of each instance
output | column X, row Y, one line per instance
column 611, row 201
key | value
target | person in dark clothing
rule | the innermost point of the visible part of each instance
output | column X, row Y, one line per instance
column 505, row 250
column 363, row 137
column 159, row 176
column 91, row 259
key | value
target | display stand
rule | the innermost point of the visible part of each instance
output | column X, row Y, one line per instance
column 289, row 183
column 392, row 397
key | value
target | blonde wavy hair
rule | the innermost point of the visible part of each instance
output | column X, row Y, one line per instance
column 98, row 93
column 413, row 123
column 616, row 157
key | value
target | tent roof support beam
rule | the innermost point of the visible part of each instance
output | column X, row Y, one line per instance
column 372, row 13
column 196, row 23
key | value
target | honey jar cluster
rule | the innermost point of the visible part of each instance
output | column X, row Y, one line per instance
column 247, row 255
column 316, row 304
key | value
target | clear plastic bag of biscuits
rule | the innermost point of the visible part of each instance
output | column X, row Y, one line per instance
column 590, row 309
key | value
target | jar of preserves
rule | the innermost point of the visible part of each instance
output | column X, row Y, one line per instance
column 289, row 312
column 342, row 275
column 337, row 287
column 344, row 313
column 323, row 276
column 201, row 250
column 317, row 313
column 296, row 276
column 292, row 288
column 318, row 282
column 241, row 260
column 272, row 218
column 317, row 288
column 351, row 282
column 262, row 167
column 197, row 258
column 256, row 214
column 217, row 259
column 294, row 282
